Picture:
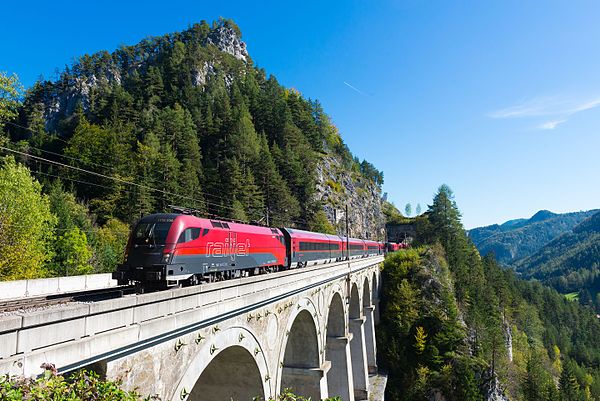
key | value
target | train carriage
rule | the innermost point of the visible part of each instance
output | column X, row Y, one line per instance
column 356, row 248
column 310, row 248
column 371, row 247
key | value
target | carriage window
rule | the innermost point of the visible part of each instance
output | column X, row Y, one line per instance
column 204, row 232
column 189, row 234
column 314, row 246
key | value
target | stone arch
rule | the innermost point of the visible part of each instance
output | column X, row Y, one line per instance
column 357, row 345
column 366, row 297
column 208, row 375
column 369, row 328
column 354, row 311
column 301, row 358
column 337, row 351
column 216, row 384
column 374, row 288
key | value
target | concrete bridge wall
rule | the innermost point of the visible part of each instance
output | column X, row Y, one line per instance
column 310, row 329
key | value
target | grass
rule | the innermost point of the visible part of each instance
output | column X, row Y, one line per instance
column 572, row 296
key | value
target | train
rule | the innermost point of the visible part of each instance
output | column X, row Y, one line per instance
column 395, row 246
column 178, row 249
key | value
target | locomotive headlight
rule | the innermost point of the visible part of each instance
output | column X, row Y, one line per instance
column 167, row 258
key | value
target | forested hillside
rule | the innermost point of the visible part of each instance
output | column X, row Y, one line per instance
column 520, row 238
column 182, row 119
column 456, row 326
column 570, row 263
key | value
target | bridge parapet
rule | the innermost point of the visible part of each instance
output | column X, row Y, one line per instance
column 165, row 332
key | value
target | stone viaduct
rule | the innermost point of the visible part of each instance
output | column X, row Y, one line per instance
column 309, row 329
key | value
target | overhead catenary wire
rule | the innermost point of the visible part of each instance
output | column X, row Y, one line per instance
column 217, row 197
column 206, row 203
column 117, row 179
column 120, row 180
column 222, row 197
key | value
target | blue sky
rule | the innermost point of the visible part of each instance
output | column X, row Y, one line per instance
column 500, row 100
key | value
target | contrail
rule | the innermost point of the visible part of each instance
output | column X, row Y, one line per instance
column 355, row 89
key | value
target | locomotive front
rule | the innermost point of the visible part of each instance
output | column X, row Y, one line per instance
column 149, row 253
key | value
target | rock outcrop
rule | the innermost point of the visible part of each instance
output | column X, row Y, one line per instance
column 337, row 188
column 76, row 85
column 227, row 40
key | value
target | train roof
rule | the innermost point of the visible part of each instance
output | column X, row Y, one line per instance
column 295, row 233
column 186, row 220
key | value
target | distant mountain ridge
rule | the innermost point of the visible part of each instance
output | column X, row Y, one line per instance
column 520, row 238
column 569, row 263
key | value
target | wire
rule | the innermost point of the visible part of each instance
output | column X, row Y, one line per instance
column 221, row 198
column 32, row 131
column 299, row 221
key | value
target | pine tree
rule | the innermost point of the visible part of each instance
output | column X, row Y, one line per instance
column 569, row 388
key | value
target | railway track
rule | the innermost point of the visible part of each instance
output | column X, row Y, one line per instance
column 11, row 305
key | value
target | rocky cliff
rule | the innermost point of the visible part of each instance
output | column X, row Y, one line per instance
column 337, row 188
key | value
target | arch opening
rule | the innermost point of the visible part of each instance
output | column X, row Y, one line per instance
column 374, row 289
column 369, row 329
column 337, row 351
column 301, row 370
column 232, row 374
column 357, row 346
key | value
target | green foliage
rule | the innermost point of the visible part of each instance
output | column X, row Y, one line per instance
column 572, row 296
column 109, row 244
column 26, row 224
column 81, row 386
column 553, row 339
column 11, row 92
column 73, row 254
column 335, row 186
column 321, row 224
column 393, row 215
column 570, row 263
column 419, row 325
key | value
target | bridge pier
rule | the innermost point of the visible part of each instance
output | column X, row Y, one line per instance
column 359, row 363
column 339, row 378
column 370, row 344
column 309, row 382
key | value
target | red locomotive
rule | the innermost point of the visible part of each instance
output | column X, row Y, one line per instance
column 173, row 249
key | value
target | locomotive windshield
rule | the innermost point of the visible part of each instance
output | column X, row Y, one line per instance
column 151, row 234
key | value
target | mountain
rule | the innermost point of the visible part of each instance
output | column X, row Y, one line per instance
column 516, row 239
column 192, row 118
column 570, row 262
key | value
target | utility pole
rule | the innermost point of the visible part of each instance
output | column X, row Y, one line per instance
column 348, row 279
column 347, row 236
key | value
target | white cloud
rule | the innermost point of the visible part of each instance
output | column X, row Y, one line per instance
column 560, row 107
column 550, row 124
